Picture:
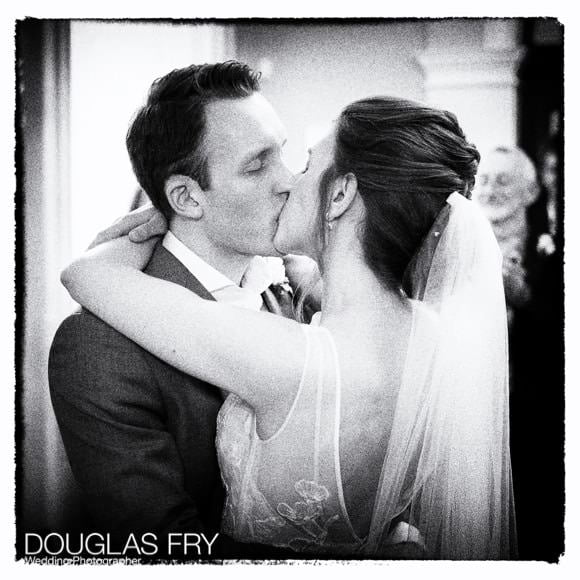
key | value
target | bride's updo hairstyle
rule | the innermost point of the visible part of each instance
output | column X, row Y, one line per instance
column 407, row 159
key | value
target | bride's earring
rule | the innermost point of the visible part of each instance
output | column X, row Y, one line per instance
column 329, row 223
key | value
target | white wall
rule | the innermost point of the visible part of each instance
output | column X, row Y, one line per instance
column 315, row 70
column 470, row 68
column 112, row 66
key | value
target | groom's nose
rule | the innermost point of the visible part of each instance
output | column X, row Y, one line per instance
column 285, row 181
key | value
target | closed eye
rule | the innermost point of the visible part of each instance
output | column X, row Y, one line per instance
column 255, row 165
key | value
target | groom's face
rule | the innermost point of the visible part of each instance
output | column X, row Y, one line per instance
column 248, row 178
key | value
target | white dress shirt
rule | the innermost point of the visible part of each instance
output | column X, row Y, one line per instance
column 260, row 274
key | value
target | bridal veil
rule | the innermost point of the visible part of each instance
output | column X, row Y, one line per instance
column 447, row 468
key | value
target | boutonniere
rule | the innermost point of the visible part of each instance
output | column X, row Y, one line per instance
column 277, row 274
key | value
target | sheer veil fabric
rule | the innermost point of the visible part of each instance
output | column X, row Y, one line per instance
column 447, row 468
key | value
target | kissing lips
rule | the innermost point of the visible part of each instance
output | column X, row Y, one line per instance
column 277, row 227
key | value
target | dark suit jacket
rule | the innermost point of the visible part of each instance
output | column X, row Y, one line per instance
column 139, row 434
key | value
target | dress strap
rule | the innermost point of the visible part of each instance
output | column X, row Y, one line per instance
column 335, row 364
column 303, row 380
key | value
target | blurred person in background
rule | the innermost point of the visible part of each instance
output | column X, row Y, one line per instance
column 506, row 186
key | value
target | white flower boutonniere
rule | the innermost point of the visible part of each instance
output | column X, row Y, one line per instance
column 264, row 272
column 277, row 273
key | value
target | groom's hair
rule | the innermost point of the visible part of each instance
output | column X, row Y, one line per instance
column 166, row 135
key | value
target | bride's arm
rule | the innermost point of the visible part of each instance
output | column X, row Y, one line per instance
column 257, row 355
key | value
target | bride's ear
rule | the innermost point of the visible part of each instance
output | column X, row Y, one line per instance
column 344, row 192
column 184, row 196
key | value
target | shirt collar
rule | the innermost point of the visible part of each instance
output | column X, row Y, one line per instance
column 210, row 278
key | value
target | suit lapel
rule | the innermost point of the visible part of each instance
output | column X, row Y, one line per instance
column 164, row 265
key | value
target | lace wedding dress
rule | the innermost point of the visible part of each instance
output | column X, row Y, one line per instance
column 286, row 490
column 445, row 482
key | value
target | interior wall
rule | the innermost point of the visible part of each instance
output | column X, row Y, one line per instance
column 112, row 67
column 470, row 68
column 311, row 71
column 43, row 58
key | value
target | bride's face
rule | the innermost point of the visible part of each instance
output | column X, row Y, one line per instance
column 298, row 226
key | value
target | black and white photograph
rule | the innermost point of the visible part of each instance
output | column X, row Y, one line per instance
column 289, row 290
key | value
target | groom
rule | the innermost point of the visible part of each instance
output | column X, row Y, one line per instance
column 139, row 434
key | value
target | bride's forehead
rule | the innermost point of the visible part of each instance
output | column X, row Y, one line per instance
column 323, row 150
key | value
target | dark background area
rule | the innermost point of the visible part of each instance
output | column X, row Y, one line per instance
column 537, row 344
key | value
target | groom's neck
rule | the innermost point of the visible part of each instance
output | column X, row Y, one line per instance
column 224, row 260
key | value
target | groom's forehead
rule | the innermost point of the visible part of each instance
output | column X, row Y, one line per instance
column 235, row 126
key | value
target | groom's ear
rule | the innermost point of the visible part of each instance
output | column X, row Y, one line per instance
column 184, row 196
column 343, row 193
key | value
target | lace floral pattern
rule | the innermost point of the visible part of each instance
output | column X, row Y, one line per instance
column 308, row 514
column 283, row 491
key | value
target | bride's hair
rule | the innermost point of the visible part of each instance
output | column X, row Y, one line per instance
column 407, row 158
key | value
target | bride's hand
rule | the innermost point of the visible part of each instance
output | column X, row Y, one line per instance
column 140, row 225
column 103, row 264
column 128, row 243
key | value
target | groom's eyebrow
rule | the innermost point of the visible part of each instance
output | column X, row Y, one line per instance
column 261, row 152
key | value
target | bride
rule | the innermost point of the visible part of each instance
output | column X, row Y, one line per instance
column 386, row 424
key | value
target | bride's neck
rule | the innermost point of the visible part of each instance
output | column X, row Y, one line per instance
column 350, row 286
